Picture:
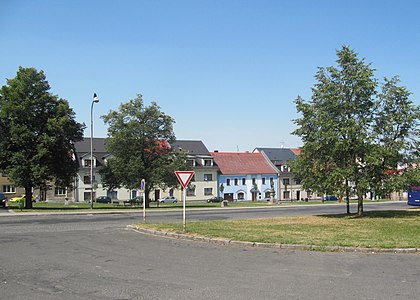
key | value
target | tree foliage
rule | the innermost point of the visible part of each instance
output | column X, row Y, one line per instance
column 354, row 129
column 37, row 133
column 139, row 139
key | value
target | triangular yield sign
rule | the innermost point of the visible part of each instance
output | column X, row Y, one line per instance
column 184, row 177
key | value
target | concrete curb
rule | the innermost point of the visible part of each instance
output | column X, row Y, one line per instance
column 227, row 242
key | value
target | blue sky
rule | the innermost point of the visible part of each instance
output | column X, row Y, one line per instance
column 226, row 71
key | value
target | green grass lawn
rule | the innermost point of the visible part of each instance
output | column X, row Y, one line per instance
column 387, row 229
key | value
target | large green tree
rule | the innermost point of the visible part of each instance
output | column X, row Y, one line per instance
column 37, row 133
column 354, row 130
column 139, row 139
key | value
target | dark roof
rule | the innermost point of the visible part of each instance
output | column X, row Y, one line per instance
column 84, row 145
column 278, row 155
column 243, row 163
column 196, row 148
column 193, row 147
column 99, row 150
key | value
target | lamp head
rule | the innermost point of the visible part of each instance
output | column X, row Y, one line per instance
column 95, row 98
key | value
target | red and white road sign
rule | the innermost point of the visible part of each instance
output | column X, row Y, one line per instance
column 184, row 177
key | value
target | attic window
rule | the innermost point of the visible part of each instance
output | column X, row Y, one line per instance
column 208, row 162
column 87, row 163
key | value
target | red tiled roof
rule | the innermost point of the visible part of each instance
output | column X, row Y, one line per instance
column 242, row 163
column 295, row 151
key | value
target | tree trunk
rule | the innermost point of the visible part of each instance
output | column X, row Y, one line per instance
column 360, row 206
column 347, row 197
column 28, row 197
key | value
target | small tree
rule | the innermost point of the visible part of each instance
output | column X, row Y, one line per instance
column 37, row 133
column 353, row 133
column 139, row 139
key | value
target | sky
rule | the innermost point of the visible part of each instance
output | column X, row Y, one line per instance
column 226, row 71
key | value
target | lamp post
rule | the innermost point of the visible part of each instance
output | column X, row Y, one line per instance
column 95, row 100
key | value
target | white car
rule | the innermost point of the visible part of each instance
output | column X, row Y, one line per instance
column 168, row 199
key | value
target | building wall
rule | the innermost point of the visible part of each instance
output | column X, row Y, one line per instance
column 243, row 184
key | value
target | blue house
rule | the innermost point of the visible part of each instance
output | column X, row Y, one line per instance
column 245, row 176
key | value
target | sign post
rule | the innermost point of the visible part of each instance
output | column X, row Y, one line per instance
column 184, row 178
column 142, row 188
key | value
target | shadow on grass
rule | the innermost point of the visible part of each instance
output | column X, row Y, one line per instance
column 409, row 213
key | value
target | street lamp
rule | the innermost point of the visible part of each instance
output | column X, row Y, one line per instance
column 95, row 100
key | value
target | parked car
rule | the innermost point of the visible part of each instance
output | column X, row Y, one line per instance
column 3, row 200
column 330, row 198
column 21, row 198
column 103, row 199
column 135, row 200
column 214, row 199
column 168, row 199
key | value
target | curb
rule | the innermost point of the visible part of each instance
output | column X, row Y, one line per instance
column 227, row 242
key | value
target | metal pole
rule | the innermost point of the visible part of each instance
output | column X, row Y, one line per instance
column 184, row 219
column 144, row 207
column 95, row 100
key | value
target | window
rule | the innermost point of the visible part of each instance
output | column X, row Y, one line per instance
column 241, row 196
column 86, row 196
column 267, row 195
column 286, row 181
column 297, row 181
column 87, row 163
column 263, row 180
column 208, row 162
column 286, row 195
column 113, row 194
column 235, row 181
column 208, row 177
column 243, row 181
column 9, row 189
column 227, row 181
column 191, row 162
column 60, row 191
column 208, row 191
column 254, row 180
column 86, row 179
column 191, row 190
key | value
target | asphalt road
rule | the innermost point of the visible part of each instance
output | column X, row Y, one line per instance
column 97, row 257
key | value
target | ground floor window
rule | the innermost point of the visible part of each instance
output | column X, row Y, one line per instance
column 113, row 194
column 208, row 191
column 9, row 189
column 191, row 190
column 286, row 195
column 86, row 196
column 267, row 195
column 60, row 191
column 241, row 196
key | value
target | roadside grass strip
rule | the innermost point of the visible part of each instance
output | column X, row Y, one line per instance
column 374, row 230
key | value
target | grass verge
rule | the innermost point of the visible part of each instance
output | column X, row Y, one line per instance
column 385, row 229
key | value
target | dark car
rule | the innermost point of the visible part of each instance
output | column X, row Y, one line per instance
column 214, row 199
column 3, row 200
column 330, row 198
column 103, row 199
column 136, row 200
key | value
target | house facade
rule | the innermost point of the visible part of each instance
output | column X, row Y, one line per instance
column 202, row 186
column 204, row 183
column 245, row 176
column 290, row 188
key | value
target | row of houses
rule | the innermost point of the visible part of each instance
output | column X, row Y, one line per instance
column 235, row 176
